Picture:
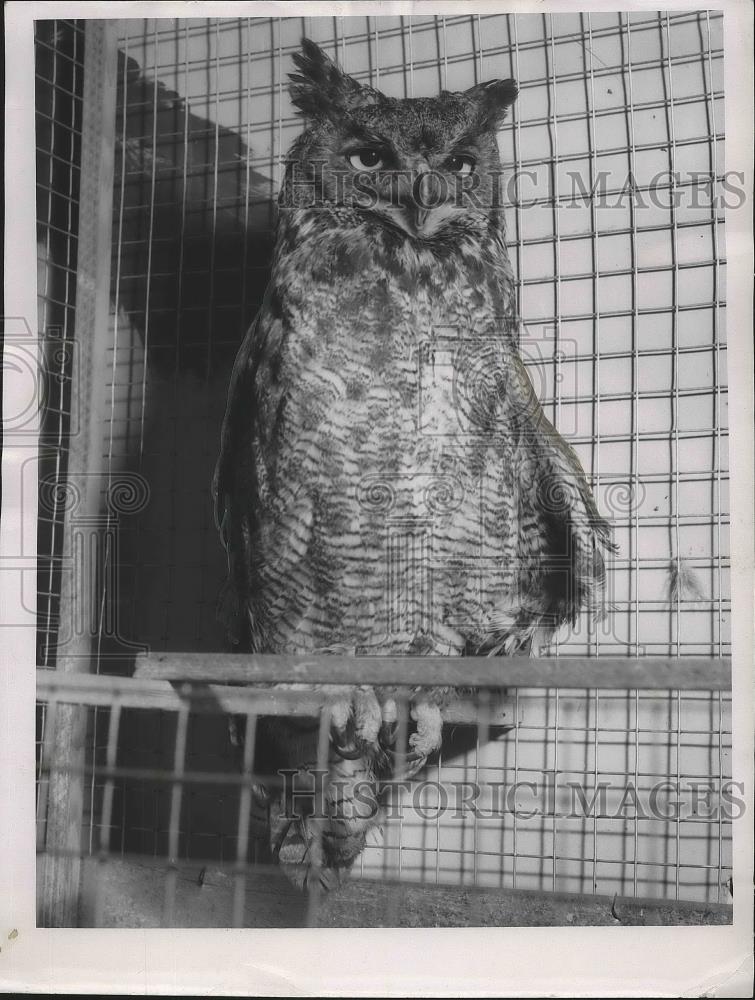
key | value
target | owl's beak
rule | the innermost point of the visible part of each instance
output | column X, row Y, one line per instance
column 426, row 195
column 419, row 204
column 419, row 217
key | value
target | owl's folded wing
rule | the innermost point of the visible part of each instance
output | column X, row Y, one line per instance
column 241, row 472
column 560, row 570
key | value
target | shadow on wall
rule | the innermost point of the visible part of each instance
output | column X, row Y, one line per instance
column 194, row 286
column 193, row 238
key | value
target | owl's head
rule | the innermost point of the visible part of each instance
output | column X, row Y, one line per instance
column 420, row 166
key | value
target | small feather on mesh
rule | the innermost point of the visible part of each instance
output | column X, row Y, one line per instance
column 683, row 584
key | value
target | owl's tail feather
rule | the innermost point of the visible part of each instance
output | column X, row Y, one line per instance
column 321, row 848
column 519, row 636
column 351, row 808
column 296, row 846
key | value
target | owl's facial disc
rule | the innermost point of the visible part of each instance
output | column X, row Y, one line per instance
column 416, row 191
column 419, row 199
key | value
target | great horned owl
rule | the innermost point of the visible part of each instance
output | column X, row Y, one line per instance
column 388, row 482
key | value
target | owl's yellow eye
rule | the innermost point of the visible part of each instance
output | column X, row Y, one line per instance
column 460, row 164
column 365, row 159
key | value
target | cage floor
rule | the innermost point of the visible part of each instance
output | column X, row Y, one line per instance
column 133, row 891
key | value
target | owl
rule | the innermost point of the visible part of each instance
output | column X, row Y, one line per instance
column 388, row 482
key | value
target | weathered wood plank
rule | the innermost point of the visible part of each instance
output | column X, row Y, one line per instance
column 203, row 698
column 706, row 673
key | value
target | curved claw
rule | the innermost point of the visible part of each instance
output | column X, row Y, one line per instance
column 347, row 754
column 388, row 733
column 320, row 878
column 260, row 795
column 410, row 758
column 277, row 842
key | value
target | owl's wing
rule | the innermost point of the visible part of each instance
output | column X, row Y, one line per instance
column 243, row 469
column 561, row 534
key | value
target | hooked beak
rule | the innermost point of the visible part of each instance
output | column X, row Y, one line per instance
column 426, row 194
column 419, row 202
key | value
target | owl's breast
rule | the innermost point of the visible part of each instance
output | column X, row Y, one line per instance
column 382, row 437
column 384, row 377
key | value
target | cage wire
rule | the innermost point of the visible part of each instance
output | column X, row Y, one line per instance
column 59, row 56
column 623, row 300
column 59, row 66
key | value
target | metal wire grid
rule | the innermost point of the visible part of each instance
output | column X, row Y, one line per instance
column 171, row 350
column 544, row 843
column 624, row 305
column 59, row 64
column 524, row 831
column 543, row 839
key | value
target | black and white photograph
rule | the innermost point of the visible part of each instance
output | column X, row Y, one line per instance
column 373, row 513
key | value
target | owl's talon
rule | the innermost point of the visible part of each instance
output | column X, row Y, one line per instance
column 407, row 764
column 388, row 734
column 408, row 758
column 347, row 754
column 323, row 878
column 260, row 795
column 355, row 724
column 278, row 838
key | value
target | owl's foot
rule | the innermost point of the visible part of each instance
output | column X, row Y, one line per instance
column 356, row 724
column 363, row 727
column 427, row 738
column 423, row 742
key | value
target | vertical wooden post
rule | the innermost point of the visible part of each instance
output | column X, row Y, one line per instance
column 58, row 893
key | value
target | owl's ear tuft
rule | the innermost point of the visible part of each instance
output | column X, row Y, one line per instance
column 492, row 100
column 320, row 88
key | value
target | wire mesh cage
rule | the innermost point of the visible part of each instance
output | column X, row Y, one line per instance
column 615, row 179
column 59, row 48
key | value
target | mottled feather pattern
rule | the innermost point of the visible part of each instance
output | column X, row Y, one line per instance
column 388, row 482
column 338, row 403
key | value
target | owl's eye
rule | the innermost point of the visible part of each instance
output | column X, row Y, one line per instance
column 460, row 164
column 365, row 159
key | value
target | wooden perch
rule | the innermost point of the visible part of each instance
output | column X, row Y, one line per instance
column 203, row 698
column 704, row 673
